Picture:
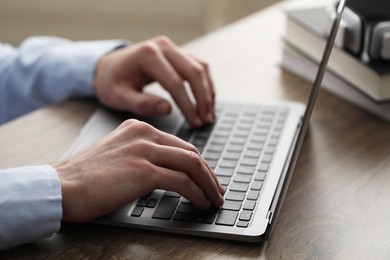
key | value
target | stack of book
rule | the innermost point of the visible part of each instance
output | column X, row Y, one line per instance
column 366, row 85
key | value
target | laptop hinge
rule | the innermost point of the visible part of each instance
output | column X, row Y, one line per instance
column 269, row 216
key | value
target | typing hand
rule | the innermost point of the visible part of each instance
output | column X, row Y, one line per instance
column 129, row 163
column 122, row 74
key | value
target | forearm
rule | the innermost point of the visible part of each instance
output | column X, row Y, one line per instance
column 45, row 70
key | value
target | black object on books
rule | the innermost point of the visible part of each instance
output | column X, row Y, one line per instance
column 306, row 30
column 368, row 29
column 305, row 68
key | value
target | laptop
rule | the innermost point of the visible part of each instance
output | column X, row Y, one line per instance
column 252, row 147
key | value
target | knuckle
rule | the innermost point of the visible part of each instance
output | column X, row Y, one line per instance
column 149, row 48
column 142, row 145
column 134, row 127
column 194, row 158
column 164, row 40
column 127, row 123
column 142, row 127
column 196, row 70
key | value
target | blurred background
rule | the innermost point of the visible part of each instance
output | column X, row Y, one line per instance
column 134, row 20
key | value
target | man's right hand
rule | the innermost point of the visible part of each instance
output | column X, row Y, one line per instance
column 129, row 163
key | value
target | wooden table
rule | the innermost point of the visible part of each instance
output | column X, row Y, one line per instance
column 338, row 202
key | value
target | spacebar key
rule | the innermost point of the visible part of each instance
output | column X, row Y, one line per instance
column 165, row 208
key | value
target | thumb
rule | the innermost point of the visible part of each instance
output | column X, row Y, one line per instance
column 145, row 104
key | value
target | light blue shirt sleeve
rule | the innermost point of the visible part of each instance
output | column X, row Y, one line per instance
column 41, row 71
column 46, row 70
column 30, row 204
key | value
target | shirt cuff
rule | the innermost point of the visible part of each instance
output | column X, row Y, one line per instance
column 30, row 204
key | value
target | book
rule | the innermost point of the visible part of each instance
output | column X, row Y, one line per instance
column 306, row 30
column 301, row 65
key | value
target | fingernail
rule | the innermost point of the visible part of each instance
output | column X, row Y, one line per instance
column 162, row 108
column 221, row 200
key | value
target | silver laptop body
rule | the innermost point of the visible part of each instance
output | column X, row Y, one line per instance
column 252, row 147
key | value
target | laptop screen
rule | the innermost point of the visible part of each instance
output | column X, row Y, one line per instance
column 309, row 110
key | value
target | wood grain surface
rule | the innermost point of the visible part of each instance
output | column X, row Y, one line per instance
column 338, row 202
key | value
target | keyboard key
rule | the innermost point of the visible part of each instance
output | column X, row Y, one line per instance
column 231, row 156
column 235, row 186
column 275, row 134
column 184, row 133
column 142, row 201
column 186, row 208
column 228, row 164
column 231, row 205
column 219, row 140
column 263, row 125
column 184, row 217
column 255, row 147
column 242, row 178
column 252, row 154
column 212, row 163
column 260, row 176
column 184, row 200
column 165, row 208
column 258, row 139
column 249, row 161
column 199, row 141
column 222, row 133
column 225, row 127
column 273, row 142
column 137, row 211
column 244, row 127
column 242, row 224
column 249, row 205
column 257, row 185
column 223, row 180
column 224, row 171
column 261, row 131
column 246, row 170
column 227, row 218
column 253, row 195
column 245, row 215
column 269, row 150
column 235, row 196
column 235, row 148
column 263, row 167
column 228, row 120
column 172, row 194
column 238, row 140
column 266, row 158
column 207, row 216
column 215, row 148
column 212, row 155
column 267, row 119
column 241, row 133
column 151, row 203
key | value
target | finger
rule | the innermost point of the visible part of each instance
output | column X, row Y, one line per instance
column 207, row 69
column 193, row 71
column 164, row 139
column 179, row 182
column 160, row 69
column 221, row 189
column 191, row 164
column 144, row 104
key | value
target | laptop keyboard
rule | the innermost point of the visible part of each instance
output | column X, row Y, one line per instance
column 239, row 146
